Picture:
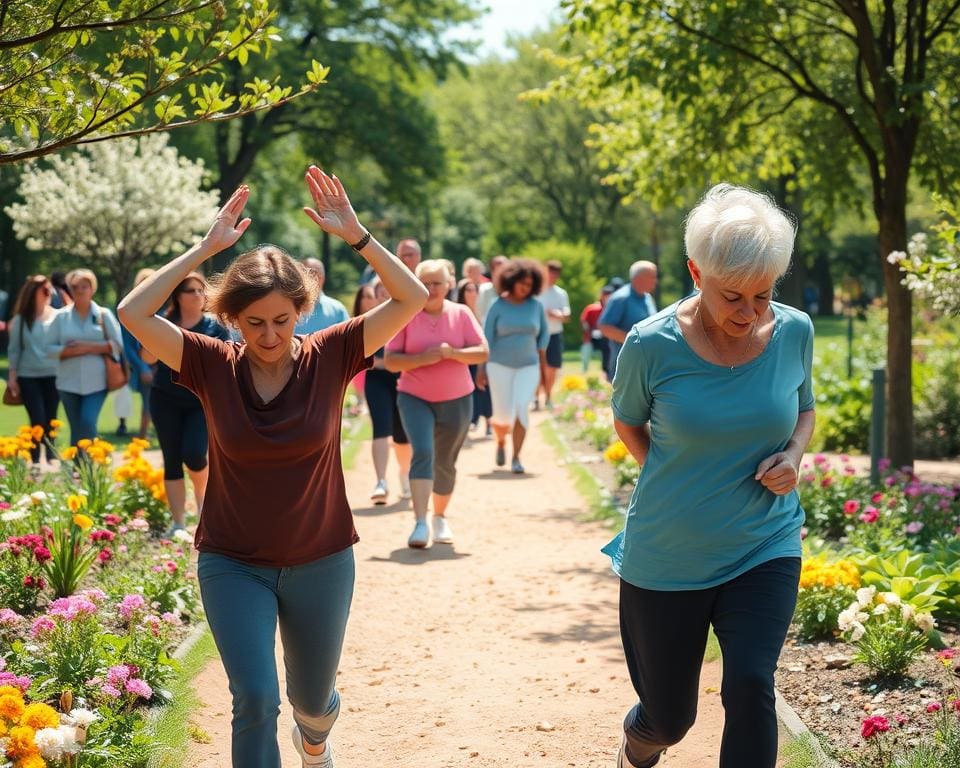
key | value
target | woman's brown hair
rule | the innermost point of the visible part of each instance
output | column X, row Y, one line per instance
column 173, row 313
column 26, row 305
column 256, row 274
column 516, row 270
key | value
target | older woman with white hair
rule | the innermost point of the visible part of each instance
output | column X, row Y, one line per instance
column 713, row 397
column 435, row 395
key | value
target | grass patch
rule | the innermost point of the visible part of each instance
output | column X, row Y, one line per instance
column 351, row 442
column 597, row 497
column 172, row 729
column 803, row 752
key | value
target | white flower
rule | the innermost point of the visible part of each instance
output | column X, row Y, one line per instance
column 13, row 514
column 865, row 595
column 896, row 257
column 182, row 535
column 857, row 633
column 881, row 609
column 72, row 744
column 38, row 497
column 50, row 743
column 846, row 619
column 83, row 717
column 925, row 622
column 890, row 598
column 906, row 612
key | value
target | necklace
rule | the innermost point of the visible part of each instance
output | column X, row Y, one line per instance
column 716, row 353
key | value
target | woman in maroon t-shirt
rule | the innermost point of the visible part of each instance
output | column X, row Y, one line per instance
column 276, row 532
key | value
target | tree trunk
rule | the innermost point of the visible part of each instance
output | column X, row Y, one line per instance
column 824, row 280
column 899, row 410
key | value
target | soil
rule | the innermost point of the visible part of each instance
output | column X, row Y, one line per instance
column 832, row 696
column 502, row 650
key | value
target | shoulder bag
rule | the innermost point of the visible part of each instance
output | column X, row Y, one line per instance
column 117, row 373
column 8, row 397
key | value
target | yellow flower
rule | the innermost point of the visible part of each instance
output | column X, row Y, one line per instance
column 69, row 454
column 83, row 522
column 39, row 715
column 11, row 706
column 9, row 690
column 574, row 383
column 616, row 452
column 84, row 444
column 56, row 423
column 52, row 434
column 20, row 742
column 76, row 502
column 30, row 761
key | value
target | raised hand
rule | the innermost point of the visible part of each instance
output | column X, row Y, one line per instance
column 332, row 211
column 225, row 230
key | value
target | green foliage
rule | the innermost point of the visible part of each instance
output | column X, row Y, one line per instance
column 817, row 610
column 889, row 647
column 72, row 553
column 76, row 71
column 579, row 279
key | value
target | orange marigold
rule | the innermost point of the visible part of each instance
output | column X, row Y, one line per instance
column 39, row 715
column 11, row 706
column 20, row 742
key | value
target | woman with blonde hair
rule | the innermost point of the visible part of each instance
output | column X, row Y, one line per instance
column 435, row 395
column 79, row 337
column 32, row 374
column 276, row 533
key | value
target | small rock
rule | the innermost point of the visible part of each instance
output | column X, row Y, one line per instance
column 837, row 661
column 835, row 707
column 879, row 697
column 797, row 668
column 546, row 727
column 826, row 697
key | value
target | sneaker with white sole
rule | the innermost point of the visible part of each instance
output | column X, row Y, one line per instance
column 420, row 537
column 379, row 495
column 441, row 531
column 306, row 759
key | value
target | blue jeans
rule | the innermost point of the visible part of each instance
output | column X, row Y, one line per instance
column 244, row 604
column 82, row 413
column 436, row 432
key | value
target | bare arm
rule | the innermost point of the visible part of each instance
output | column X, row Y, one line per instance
column 334, row 214
column 470, row 355
column 161, row 338
column 403, row 361
column 613, row 333
column 637, row 439
column 779, row 473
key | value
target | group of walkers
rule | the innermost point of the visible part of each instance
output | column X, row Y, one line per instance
column 711, row 395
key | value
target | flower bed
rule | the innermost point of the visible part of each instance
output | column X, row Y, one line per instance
column 92, row 601
column 869, row 663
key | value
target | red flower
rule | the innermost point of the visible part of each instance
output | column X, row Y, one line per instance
column 105, row 555
column 934, row 706
column 871, row 726
column 42, row 554
column 102, row 536
column 112, row 520
column 947, row 653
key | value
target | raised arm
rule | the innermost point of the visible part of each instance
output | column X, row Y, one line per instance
column 161, row 338
column 334, row 214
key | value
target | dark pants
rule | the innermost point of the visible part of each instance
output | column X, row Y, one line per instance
column 181, row 431
column 380, row 389
column 41, row 400
column 482, row 406
column 83, row 411
column 664, row 637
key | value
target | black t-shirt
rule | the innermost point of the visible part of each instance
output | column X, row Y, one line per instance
column 162, row 380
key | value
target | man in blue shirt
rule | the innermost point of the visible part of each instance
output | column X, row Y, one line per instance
column 627, row 307
column 327, row 311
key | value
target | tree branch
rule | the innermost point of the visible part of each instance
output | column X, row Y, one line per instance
column 940, row 25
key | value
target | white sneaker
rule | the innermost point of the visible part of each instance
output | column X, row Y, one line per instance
column 441, row 531
column 379, row 495
column 405, row 492
column 420, row 537
column 307, row 760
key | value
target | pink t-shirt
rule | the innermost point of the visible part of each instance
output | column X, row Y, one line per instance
column 446, row 379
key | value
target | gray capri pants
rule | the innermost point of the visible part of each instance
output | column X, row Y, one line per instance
column 436, row 432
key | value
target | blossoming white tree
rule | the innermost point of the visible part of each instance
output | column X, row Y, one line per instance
column 114, row 206
column 933, row 272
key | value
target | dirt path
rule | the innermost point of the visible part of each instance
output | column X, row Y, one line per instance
column 502, row 650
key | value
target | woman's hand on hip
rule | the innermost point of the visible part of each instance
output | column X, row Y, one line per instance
column 332, row 210
column 226, row 229
column 777, row 473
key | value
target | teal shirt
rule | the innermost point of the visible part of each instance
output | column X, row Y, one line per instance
column 516, row 332
column 697, row 517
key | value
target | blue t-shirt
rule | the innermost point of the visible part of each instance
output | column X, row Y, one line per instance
column 515, row 332
column 326, row 312
column 625, row 308
column 697, row 517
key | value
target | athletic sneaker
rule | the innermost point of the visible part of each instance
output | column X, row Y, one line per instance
column 171, row 532
column 379, row 495
column 311, row 761
column 405, row 487
column 501, row 455
column 420, row 537
column 441, row 531
column 516, row 467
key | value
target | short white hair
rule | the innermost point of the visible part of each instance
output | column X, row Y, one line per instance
column 433, row 267
column 641, row 266
column 740, row 235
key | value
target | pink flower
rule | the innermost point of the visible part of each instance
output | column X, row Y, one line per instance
column 804, row 533
column 70, row 608
column 42, row 554
column 947, row 653
column 139, row 688
column 851, row 507
column 883, row 465
column 9, row 617
column 112, row 520
column 901, row 719
column 934, row 706
column 94, row 595
column 118, row 675
column 23, row 683
column 105, row 556
column 844, row 458
column 877, row 497
column 819, row 459
column 849, row 471
column 129, row 604
column 871, row 726
column 110, row 691
column 41, row 626
column 915, row 527
column 870, row 515
column 170, row 566
column 827, row 481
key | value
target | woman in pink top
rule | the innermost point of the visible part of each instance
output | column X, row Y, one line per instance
column 435, row 395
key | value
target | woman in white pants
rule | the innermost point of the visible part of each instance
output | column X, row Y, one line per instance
column 516, row 330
